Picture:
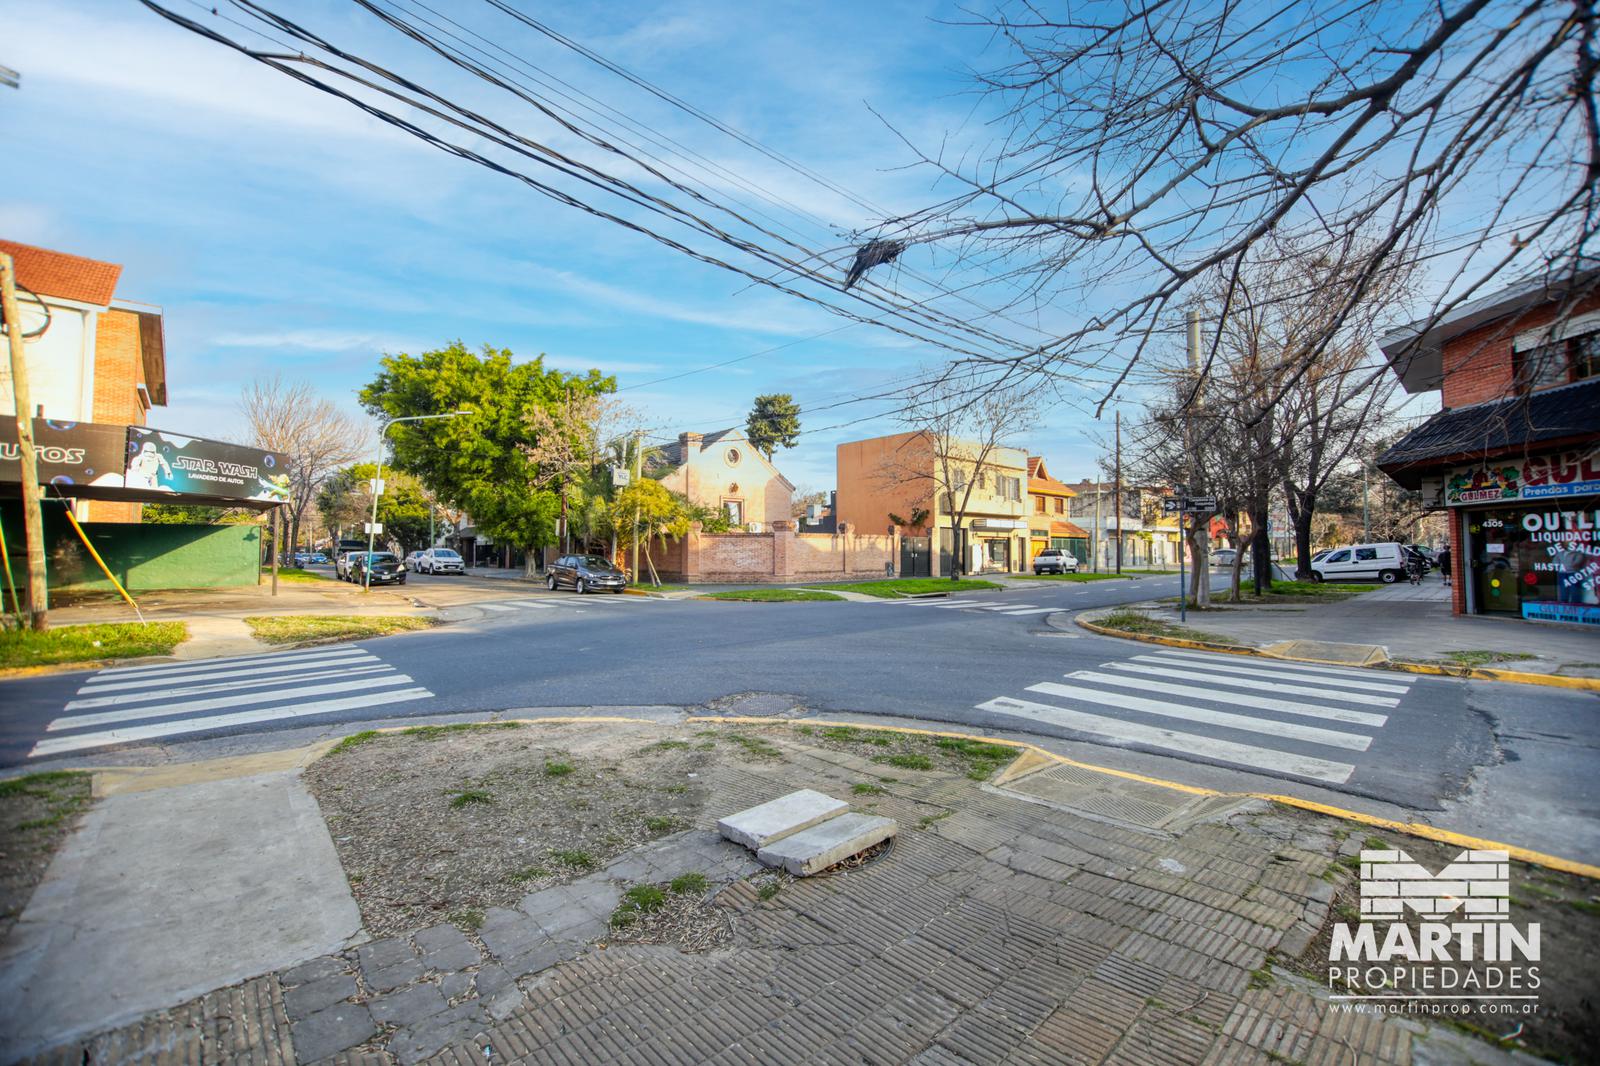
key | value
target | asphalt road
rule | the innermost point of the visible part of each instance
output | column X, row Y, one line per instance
column 997, row 661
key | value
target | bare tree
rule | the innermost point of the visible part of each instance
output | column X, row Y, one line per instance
column 311, row 430
column 572, row 436
column 949, row 453
column 1146, row 149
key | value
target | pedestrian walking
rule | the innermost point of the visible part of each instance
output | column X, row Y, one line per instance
column 1444, row 564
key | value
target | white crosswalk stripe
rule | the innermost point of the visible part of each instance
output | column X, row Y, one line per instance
column 997, row 607
column 170, row 699
column 1219, row 698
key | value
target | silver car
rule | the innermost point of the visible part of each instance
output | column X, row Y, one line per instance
column 585, row 573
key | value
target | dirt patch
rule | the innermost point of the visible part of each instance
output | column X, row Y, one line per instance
column 681, row 913
column 441, row 823
column 36, row 814
column 1564, row 1023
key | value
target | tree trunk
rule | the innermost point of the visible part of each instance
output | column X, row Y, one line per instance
column 1200, row 557
column 1300, row 518
column 955, row 548
column 1260, row 550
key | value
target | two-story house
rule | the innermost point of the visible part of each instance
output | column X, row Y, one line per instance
column 724, row 470
column 1048, row 524
column 903, row 477
column 1149, row 537
column 1513, row 457
column 96, row 358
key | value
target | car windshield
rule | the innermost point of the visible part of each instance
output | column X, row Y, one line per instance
column 377, row 557
column 444, row 553
column 594, row 562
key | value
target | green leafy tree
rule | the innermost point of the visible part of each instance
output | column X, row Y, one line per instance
column 195, row 514
column 480, row 463
column 649, row 510
column 403, row 507
column 774, row 423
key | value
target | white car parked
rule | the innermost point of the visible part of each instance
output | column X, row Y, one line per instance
column 1362, row 562
column 441, row 561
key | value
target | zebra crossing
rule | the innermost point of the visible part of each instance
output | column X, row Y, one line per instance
column 1319, row 718
column 134, row 703
column 974, row 605
column 557, row 603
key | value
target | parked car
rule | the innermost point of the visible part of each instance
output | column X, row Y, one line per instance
column 1055, row 561
column 1422, row 558
column 1426, row 552
column 1362, row 562
column 1223, row 557
column 585, row 572
column 441, row 561
column 413, row 561
column 386, row 569
column 1323, row 554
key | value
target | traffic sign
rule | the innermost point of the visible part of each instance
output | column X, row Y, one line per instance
column 372, row 527
column 1171, row 505
column 1200, row 504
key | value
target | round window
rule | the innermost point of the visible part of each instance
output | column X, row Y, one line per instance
column 733, row 456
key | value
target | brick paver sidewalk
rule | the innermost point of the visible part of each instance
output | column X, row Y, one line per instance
column 998, row 929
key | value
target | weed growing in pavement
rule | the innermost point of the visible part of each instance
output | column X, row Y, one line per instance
column 676, row 790
column 689, row 884
column 640, row 899
column 1129, row 620
column 769, row 890
column 1374, row 844
column 577, row 860
column 862, row 788
column 354, row 740
column 754, row 747
column 434, row 732
column 667, row 745
column 929, row 819
column 469, row 797
column 660, row 824
column 530, row 873
column 468, row 918
column 557, row 769
column 1261, row 977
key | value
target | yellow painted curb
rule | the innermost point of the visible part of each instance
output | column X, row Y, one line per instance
column 1417, row 829
column 1474, row 673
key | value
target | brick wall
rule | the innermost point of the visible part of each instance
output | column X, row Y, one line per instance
column 814, row 556
column 1478, row 364
column 780, row 557
column 734, row 557
column 118, row 369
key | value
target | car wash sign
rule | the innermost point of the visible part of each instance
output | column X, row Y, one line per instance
column 192, row 466
column 1539, row 477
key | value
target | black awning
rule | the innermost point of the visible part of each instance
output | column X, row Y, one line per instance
column 1517, row 424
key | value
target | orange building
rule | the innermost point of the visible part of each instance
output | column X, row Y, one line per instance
column 1048, row 525
column 97, row 359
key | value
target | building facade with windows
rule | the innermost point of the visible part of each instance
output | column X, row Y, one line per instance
column 724, row 470
column 1149, row 537
column 1513, row 457
column 899, row 476
column 1048, row 524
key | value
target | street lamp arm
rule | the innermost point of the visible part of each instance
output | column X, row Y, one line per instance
column 377, row 482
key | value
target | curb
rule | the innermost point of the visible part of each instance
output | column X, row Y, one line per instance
column 1027, row 750
column 1472, row 673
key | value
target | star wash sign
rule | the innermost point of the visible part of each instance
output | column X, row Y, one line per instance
column 1477, row 884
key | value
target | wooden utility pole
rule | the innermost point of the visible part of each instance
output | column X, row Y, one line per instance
column 638, row 470
column 1116, row 491
column 22, row 400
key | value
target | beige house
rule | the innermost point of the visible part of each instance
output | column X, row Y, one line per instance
column 900, row 475
column 725, row 471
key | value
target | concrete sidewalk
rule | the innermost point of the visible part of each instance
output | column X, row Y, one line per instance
column 1411, row 623
column 1063, row 917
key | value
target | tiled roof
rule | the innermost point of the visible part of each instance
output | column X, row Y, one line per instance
column 1058, row 528
column 1498, row 426
column 1046, row 486
column 670, row 455
column 69, row 277
column 1034, row 462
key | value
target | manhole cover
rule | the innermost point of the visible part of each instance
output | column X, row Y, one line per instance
column 757, row 705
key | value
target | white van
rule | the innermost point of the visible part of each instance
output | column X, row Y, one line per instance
column 1362, row 562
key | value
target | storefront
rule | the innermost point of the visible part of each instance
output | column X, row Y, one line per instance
column 996, row 545
column 1529, row 535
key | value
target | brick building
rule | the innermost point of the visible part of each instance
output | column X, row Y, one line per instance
column 1513, row 457
column 101, row 359
column 725, row 471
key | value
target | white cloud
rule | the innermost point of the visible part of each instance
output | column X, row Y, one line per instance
column 313, row 340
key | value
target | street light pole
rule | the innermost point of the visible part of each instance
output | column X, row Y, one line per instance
column 377, row 488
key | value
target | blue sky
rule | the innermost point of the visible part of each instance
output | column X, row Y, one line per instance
column 285, row 232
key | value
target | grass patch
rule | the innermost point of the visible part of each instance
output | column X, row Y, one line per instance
column 1084, row 577
column 1318, row 589
column 906, row 761
column 88, row 643
column 926, row 820
column 530, row 873
column 436, row 732
column 668, row 745
column 911, row 586
column 353, row 741
column 1128, row 620
column 303, row 628
column 1482, row 657
column 772, row 596
column 769, row 890
column 689, row 884
column 849, row 734
column 638, row 900
column 754, row 747
column 864, row 788
column 468, row 918
column 470, row 797
column 660, row 824
column 557, row 769
column 576, row 860
column 974, row 749
column 36, row 814
column 299, row 576
column 1587, row 906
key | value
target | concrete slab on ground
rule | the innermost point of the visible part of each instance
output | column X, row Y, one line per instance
column 163, row 895
column 761, row 825
column 811, row 850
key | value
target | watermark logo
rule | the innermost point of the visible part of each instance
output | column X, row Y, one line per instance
column 1444, row 939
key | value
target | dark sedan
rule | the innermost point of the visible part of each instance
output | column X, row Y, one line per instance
column 585, row 573
column 386, row 569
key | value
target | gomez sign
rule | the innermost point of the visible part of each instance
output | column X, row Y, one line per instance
column 1535, row 478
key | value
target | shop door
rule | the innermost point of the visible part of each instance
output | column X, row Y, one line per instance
column 916, row 557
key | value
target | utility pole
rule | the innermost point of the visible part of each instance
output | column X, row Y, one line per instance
column 1116, row 490
column 1201, row 532
column 22, row 400
column 638, row 470
column 1095, row 531
column 1364, row 536
column 377, row 485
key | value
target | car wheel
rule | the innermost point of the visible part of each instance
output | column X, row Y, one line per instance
column 1389, row 577
column 580, row 586
column 616, row 592
column 1316, row 577
column 551, row 582
column 402, row 581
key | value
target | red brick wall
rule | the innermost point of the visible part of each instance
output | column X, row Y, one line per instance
column 118, row 369
column 782, row 557
column 1478, row 365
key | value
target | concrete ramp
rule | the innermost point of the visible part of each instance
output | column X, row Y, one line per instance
column 1327, row 651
